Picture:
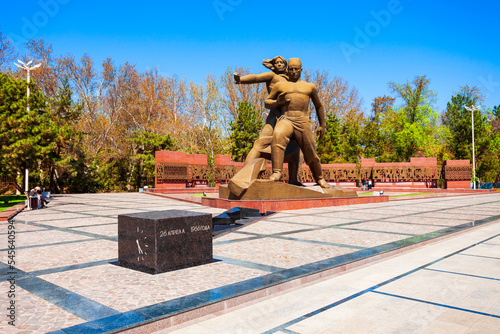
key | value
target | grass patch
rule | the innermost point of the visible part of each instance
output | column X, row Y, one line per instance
column 366, row 194
column 201, row 195
column 8, row 201
column 403, row 195
column 416, row 194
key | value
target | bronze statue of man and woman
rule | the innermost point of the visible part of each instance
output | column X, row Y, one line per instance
column 287, row 125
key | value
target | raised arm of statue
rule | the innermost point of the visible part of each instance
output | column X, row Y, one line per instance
column 253, row 78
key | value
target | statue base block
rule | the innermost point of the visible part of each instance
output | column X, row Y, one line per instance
column 271, row 190
column 290, row 204
column 267, row 196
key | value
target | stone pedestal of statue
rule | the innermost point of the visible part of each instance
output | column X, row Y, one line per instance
column 271, row 190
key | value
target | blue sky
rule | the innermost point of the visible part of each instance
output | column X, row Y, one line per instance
column 368, row 43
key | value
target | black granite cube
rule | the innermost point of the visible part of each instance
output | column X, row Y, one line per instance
column 160, row 241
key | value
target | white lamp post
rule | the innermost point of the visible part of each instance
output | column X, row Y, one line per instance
column 28, row 68
column 472, row 110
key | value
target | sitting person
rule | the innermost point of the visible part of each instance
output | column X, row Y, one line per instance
column 42, row 202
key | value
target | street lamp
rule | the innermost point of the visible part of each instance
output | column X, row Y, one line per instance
column 472, row 110
column 28, row 68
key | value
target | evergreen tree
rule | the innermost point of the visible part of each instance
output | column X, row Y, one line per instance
column 329, row 148
column 244, row 131
column 351, row 141
column 413, row 129
column 145, row 144
column 341, row 142
column 373, row 140
column 495, row 125
column 495, row 128
column 459, row 122
column 26, row 138
column 496, row 112
column 63, row 160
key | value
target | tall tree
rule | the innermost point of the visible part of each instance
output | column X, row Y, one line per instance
column 88, row 86
column 48, row 77
column 121, row 114
column 244, row 131
column 176, row 115
column 495, row 128
column 374, row 141
column 345, row 124
column 330, row 148
column 459, row 122
column 26, row 138
column 145, row 144
column 8, row 52
column 208, row 132
column 414, row 129
column 495, row 124
column 351, row 139
column 496, row 112
column 233, row 94
column 417, row 96
column 64, row 113
column 341, row 142
column 336, row 96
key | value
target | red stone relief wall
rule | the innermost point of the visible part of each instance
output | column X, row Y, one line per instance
column 179, row 169
column 458, row 174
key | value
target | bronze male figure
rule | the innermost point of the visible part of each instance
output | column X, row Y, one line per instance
column 293, row 97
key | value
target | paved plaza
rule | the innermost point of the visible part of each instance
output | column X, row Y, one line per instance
column 67, row 279
column 448, row 287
